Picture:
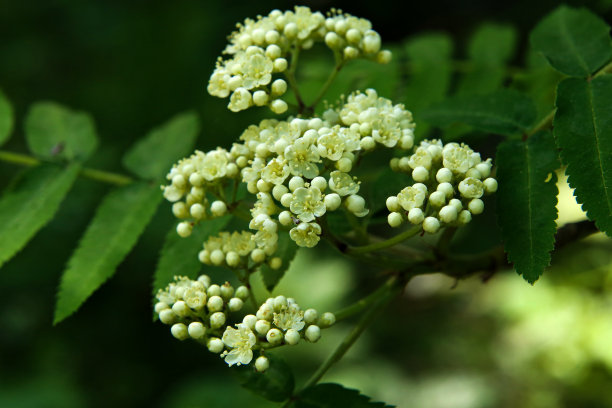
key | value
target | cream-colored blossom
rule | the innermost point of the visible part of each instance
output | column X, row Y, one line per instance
column 241, row 341
column 307, row 203
column 342, row 183
column 306, row 234
column 289, row 317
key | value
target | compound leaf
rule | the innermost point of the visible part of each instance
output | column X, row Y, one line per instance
column 32, row 204
column 286, row 251
column 526, row 202
column 583, row 131
column 119, row 220
column 152, row 156
column 574, row 41
column 7, row 118
column 331, row 395
column 54, row 131
column 505, row 112
column 179, row 256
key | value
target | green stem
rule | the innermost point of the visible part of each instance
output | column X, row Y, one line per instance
column 92, row 174
column 326, row 85
column 362, row 304
column 385, row 244
column 290, row 75
column 383, row 297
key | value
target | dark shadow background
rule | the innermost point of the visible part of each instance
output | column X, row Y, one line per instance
column 132, row 65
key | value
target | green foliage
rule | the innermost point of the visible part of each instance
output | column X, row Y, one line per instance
column 54, row 131
column 32, row 204
column 330, row 395
column 120, row 219
column 583, row 131
column 489, row 50
column 429, row 59
column 275, row 384
column 505, row 112
column 527, row 199
column 574, row 41
column 6, row 118
column 179, row 256
column 152, row 156
column 286, row 251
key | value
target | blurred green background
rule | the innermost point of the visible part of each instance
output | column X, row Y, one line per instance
column 134, row 64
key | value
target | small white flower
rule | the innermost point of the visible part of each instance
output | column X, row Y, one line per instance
column 289, row 317
column 241, row 340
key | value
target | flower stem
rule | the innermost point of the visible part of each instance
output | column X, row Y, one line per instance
column 362, row 304
column 92, row 174
column 326, row 85
column 385, row 244
column 378, row 302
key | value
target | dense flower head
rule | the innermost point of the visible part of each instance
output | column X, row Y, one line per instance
column 261, row 49
column 298, row 169
column 449, row 183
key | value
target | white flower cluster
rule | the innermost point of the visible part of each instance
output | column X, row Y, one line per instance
column 278, row 321
column 190, row 181
column 234, row 249
column 289, row 163
column 260, row 48
column 198, row 309
column 449, row 183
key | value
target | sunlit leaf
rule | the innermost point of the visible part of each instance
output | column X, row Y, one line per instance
column 583, row 131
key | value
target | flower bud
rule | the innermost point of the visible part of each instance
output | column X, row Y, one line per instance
column 179, row 330
column 167, row 316
column 217, row 320
column 262, row 327
column 184, row 229
column 420, row 174
column 215, row 304
column 213, row 290
column 476, row 206
column 295, row 183
column 279, row 87
column 285, row 218
column 431, row 225
column 310, row 316
column 235, row 304
column 217, row 257
column 416, row 216
column 327, row 319
column 274, row 336
column 242, row 292
column 276, row 262
column 392, row 204
column 279, row 303
column 196, row 330
column 159, row 306
column 332, row 201
column 249, row 321
column 262, row 363
column 197, row 211
column 260, row 98
column 313, row 333
column 181, row 309
column 319, row 182
column 258, row 255
column 215, row 345
column 218, row 208
column 292, row 337
column 279, row 190
column 278, row 106
column 448, row 214
column 490, row 185
column 395, row 219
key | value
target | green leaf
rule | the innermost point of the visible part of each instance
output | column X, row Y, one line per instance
column 275, row 384
column 152, row 156
column 179, row 256
column 574, row 41
column 505, row 112
column 32, row 204
column 331, row 395
column 526, row 202
column 489, row 50
column 430, row 71
column 111, row 235
column 286, row 251
column 583, row 131
column 54, row 131
column 6, row 118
